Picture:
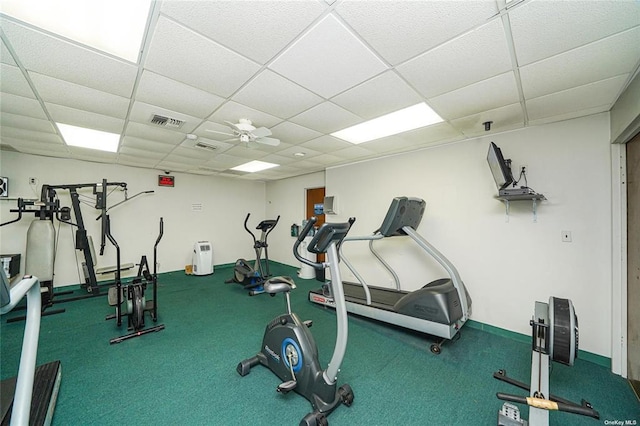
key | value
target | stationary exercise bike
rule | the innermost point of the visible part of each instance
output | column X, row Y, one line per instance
column 554, row 336
column 288, row 347
column 252, row 278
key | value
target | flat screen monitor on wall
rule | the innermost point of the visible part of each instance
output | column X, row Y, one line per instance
column 500, row 168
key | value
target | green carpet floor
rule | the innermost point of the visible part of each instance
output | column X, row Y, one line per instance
column 185, row 375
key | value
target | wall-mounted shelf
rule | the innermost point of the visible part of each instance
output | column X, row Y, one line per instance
column 534, row 198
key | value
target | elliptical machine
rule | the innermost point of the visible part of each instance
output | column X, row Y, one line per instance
column 252, row 278
column 288, row 347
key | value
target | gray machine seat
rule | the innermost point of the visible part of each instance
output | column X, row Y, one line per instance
column 280, row 284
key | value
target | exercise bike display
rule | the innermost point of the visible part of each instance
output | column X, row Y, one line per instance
column 252, row 278
column 554, row 337
column 133, row 294
column 288, row 347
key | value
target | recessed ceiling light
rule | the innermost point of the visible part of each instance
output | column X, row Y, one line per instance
column 254, row 166
column 406, row 119
column 89, row 138
column 114, row 26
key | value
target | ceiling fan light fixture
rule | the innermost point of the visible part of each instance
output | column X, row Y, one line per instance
column 254, row 166
column 410, row 118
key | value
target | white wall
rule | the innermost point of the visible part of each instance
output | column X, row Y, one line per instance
column 287, row 198
column 225, row 203
column 506, row 266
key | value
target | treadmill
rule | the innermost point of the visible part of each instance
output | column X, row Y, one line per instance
column 440, row 308
column 30, row 398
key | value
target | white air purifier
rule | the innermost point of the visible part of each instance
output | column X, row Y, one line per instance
column 202, row 260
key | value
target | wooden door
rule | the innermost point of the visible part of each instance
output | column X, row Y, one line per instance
column 315, row 200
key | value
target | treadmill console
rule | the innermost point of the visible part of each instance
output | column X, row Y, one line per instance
column 404, row 211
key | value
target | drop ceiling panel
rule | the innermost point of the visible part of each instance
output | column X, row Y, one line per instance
column 488, row 94
column 291, row 151
column 181, row 54
column 328, row 59
column 21, row 106
column 432, row 134
column 380, row 95
column 80, row 118
column 595, row 95
column 66, row 61
column 567, row 25
column 136, row 161
column 326, row 118
column 79, row 97
column 151, row 156
column 294, row 133
column 5, row 55
column 153, row 133
column 326, row 144
column 475, row 56
column 277, row 95
column 401, row 30
column 617, row 55
column 233, row 111
column 505, row 118
column 24, row 122
column 164, row 92
column 31, row 135
column 37, row 148
column 12, row 81
column 256, row 29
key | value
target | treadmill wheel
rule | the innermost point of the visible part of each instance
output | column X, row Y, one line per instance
column 435, row 348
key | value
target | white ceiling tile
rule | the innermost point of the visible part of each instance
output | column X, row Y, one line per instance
column 92, row 155
column 51, row 56
column 277, row 95
column 430, row 134
column 242, row 26
column 31, row 135
column 399, row 30
column 5, row 55
column 142, row 113
column 326, row 118
column 154, row 133
column 279, row 159
column 183, row 55
column 488, row 94
column 242, row 151
column 20, row 105
column 12, row 81
column 328, row 59
column 233, row 111
column 291, row 151
column 602, row 93
column 136, row 161
column 25, row 122
column 328, row 159
column 541, row 28
column 223, row 162
column 326, row 144
column 164, row 92
column 618, row 54
column 174, row 166
column 152, row 155
column 476, row 56
column 89, row 120
column 37, row 148
column 387, row 145
column 504, row 118
column 79, row 97
column 354, row 152
column 293, row 133
column 380, row 95
column 143, row 145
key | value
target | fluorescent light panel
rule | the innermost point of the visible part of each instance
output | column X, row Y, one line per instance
column 406, row 119
column 113, row 26
column 89, row 138
column 254, row 166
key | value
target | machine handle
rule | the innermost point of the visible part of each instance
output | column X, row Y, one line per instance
column 246, row 219
column 546, row 404
column 307, row 228
column 20, row 208
column 305, row 231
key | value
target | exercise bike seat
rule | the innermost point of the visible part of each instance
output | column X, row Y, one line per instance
column 280, row 284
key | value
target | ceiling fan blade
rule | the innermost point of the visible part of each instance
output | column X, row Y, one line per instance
column 261, row 132
column 222, row 133
column 268, row 141
column 233, row 126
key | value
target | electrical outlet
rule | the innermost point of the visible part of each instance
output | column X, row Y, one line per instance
column 33, row 181
column 566, row 236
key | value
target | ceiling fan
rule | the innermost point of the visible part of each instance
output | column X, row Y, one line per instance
column 244, row 131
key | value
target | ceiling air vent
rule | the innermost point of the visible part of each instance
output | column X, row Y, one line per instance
column 204, row 145
column 160, row 120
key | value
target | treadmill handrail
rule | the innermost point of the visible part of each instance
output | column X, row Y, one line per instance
column 446, row 264
column 359, row 277
column 26, row 373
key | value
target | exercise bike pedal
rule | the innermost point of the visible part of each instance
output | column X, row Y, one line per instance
column 308, row 323
column 286, row 387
